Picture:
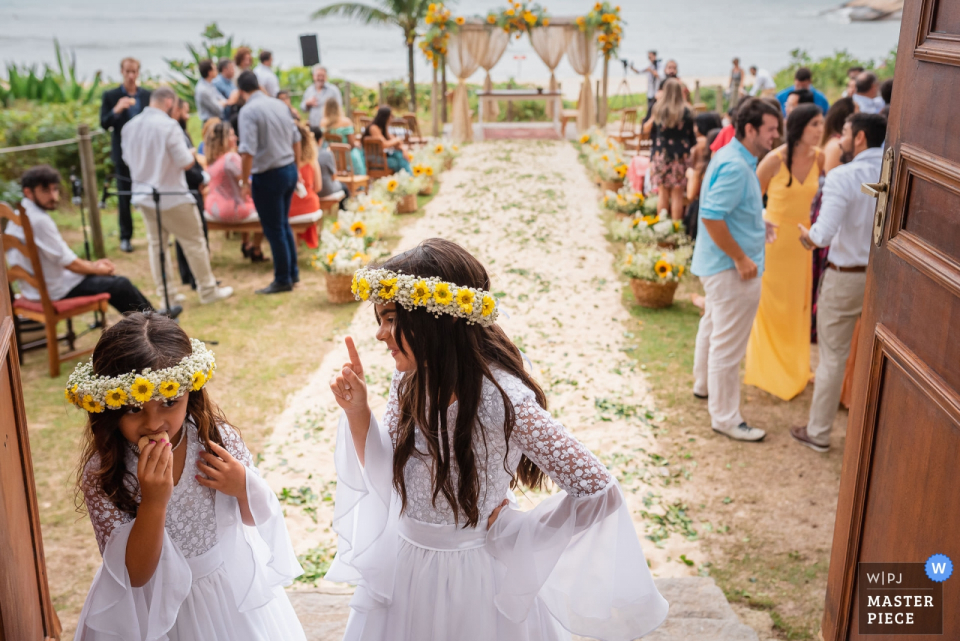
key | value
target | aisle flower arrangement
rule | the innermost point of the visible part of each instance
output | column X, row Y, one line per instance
column 400, row 188
column 446, row 152
column 654, row 273
column 605, row 22
column 649, row 229
column 625, row 202
column 519, row 17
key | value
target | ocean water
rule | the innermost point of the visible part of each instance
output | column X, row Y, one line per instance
column 702, row 35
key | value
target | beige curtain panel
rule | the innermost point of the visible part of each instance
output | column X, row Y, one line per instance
column 582, row 53
column 550, row 43
column 497, row 41
column 464, row 54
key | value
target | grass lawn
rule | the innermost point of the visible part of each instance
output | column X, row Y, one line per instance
column 265, row 346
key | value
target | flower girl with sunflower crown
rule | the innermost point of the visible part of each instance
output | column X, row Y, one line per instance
column 427, row 530
column 193, row 540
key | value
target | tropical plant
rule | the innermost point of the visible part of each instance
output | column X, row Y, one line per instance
column 59, row 85
column 214, row 45
column 406, row 14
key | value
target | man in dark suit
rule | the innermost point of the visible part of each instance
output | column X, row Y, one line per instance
column 118, row 107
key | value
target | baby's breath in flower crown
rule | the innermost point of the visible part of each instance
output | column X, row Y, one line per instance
column 383, row 286
column 96, row 393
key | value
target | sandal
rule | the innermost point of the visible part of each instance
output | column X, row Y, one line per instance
column 256, row 255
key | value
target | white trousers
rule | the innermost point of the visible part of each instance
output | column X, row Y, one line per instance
column 731, row 305
column 838, row 308
column 183, row 221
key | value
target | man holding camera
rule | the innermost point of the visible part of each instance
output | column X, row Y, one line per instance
column 118, row 106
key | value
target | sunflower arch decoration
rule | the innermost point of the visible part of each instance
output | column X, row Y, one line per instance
column 519, row 18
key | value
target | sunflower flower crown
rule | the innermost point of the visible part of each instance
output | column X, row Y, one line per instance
column 96, row 393
column 383, row 286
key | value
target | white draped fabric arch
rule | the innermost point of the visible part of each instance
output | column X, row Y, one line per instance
column 497, row 44
column 464, row 53
column 550, row 43
column 582, row 53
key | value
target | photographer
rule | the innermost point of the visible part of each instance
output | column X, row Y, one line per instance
column 64, row 274
column 653, row 81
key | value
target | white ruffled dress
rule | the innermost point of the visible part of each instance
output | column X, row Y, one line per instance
column 217, row 579
column 573, row 564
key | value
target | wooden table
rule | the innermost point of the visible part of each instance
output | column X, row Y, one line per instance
column 521, row 94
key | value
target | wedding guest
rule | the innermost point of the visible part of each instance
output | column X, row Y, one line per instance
column 803, row 79
column 798, row 97
column 392, row 145
column 728, row 258
column 335, row 122
column 704, row 123
column 64, row 274
column 695, row 175
column 284, row 96
column 311, row 179
column 156, row 151
column 846, row 224
column 886, row 91
column 243, row 57
column 117, row 107
column 317, row 94
column 225, row 200
column 851, row 87
column 736, row 81
column 778, row 352
column 269, row 148
column 763, row 84
column 729, row 131
column 197, row 178
column 226, row 72
column 208, row 98
column 672, row 132
column 672, row 70
column 268, row 80
column 328, row 170
column 868, row 94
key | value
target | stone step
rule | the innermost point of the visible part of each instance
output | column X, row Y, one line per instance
column 698, row 612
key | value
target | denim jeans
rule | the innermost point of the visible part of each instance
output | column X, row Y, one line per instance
column 272, row 192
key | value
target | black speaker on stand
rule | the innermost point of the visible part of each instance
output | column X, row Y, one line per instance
column 310, row 49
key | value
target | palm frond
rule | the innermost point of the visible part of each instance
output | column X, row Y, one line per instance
column 363, row 12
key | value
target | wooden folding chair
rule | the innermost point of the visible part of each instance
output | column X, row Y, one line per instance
column 362, row 123
column 332, row 138
column 400, row 128
column 46, row 311
column 354, row 183
column 416, row 138
column 359, row 116
column 627, row 136
column 376, row 156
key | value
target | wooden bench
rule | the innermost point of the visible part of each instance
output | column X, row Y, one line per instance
column 46, row 311
column 299, row 224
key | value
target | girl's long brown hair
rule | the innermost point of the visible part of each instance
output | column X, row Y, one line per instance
column 453, row 359
column 139, row 341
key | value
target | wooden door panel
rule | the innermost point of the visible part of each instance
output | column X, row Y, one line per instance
column 899, row 487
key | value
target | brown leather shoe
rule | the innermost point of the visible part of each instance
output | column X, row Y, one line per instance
column 799, row 434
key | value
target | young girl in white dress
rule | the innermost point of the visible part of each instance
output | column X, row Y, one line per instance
column 193, row 540
column 426, row 529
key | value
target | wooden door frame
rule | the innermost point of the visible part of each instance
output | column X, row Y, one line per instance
column 8, row 354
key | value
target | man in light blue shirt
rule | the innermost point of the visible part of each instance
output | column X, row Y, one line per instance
column 224, row 80
column 803, row 79
column 728, row 258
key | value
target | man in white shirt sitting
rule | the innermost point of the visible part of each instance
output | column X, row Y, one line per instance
column 846, row 225
column 64, row 274
column 157, row 154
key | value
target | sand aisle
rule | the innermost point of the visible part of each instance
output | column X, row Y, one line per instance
column 529, row 212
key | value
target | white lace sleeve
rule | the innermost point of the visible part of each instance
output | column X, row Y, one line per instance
column 548, row 444
column 391, row 416
column 233, row 443
column 104, row 515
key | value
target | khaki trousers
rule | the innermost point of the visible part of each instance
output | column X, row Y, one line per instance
column 838, row 308
column 730, row 307
column 183, row 221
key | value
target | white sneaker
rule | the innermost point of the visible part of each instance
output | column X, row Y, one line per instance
column 218, row 294
column 742, row 432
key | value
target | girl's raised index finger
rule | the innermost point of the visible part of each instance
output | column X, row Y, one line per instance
column 354, row 355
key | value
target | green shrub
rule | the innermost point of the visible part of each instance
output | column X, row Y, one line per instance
column 26, row 123
column 830, row 72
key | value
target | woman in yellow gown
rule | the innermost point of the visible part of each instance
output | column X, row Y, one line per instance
column 778, row 354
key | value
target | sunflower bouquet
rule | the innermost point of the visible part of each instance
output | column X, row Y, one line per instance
column 605, row 22
column 370, row 224
column 654, row 264
column 342, row 254
column 396, row 186
column 650, row 229
column 608, row 165
column 519, row 17
column 626, row 201
column 446, row 152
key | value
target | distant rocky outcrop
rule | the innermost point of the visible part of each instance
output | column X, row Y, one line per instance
column 867, row 10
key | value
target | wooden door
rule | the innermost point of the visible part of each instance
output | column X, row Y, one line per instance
column 900, row 487
column 26, row 613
